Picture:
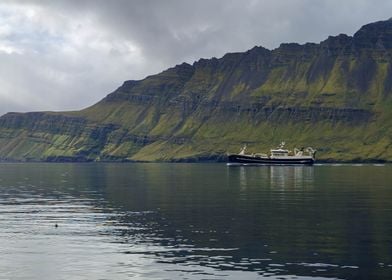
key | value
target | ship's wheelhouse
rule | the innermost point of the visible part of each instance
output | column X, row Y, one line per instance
column 279, row 153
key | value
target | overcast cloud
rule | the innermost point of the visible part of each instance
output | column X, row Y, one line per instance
column 66, row 55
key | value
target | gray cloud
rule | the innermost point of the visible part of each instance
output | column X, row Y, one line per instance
column 64, row 55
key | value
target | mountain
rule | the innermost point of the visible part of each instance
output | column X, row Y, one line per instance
column 335, row 96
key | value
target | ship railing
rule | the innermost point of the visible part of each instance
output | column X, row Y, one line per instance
column 260, row 155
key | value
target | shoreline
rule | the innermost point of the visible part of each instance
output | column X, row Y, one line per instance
column 186, row 160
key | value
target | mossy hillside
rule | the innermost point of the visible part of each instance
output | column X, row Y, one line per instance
column 216, row 135
column 345, row 149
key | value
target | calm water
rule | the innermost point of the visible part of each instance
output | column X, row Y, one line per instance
column 195, row 221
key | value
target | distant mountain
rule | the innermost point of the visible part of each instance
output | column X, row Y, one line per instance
column 335, row 96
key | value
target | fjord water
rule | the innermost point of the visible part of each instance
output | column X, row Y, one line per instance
column 195, row 221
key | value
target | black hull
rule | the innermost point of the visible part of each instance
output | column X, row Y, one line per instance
column 249, row 160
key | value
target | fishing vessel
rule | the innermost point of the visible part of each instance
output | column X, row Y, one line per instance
column 278, row 156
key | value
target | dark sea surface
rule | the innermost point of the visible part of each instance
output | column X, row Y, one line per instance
column 195, row 221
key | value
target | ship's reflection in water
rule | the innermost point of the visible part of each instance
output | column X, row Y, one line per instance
column 279, row 176
column 285, row 177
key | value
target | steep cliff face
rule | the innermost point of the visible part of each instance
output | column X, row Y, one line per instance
column 335, row 96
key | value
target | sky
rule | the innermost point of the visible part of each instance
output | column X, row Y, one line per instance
column 69, row 54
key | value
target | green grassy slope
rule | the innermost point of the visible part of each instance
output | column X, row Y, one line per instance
column 334, row 96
